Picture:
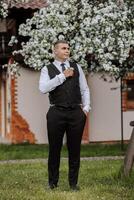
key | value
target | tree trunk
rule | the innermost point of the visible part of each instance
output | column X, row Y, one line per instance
column 129, row 157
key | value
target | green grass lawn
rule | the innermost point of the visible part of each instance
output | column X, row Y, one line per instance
column 98, row 181
column 41, row 151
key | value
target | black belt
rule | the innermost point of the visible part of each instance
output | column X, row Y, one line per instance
column 67, row 107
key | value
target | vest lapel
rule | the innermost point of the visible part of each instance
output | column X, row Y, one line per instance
column 55, row 69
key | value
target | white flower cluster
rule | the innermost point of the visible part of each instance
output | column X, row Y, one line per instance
column 102, row 29
column 3, row 10
column 13, row 40
column 13, row 69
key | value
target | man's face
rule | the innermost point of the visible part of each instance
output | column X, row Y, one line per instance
column 62, row 51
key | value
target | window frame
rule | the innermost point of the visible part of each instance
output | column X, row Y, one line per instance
column 128, row 105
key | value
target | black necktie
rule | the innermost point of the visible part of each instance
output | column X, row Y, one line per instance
column 63, row 66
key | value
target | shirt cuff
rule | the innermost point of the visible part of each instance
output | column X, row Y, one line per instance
column 87, row 108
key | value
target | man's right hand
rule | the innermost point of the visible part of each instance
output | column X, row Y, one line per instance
column 68, row 72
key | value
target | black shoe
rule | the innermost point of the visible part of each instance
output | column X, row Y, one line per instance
column 74, row 187
column 52, row 186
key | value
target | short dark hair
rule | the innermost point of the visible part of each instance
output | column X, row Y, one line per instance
column 60, row 41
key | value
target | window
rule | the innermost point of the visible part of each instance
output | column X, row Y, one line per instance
column 128, row 93
column 7, row 29
column 5, row 50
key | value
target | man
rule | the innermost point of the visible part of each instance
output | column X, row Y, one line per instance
column 69, row 104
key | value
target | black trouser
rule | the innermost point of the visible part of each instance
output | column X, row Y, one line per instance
column 59, row 121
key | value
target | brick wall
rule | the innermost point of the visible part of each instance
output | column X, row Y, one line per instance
column 20, row 130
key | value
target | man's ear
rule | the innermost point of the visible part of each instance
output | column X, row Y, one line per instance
column 54, row 50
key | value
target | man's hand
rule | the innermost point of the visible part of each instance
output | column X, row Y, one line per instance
column 85, row 112
column 68, row 72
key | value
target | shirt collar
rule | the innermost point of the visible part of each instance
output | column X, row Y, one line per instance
column 59, row 62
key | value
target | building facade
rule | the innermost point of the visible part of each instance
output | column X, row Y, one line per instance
column 23, row 108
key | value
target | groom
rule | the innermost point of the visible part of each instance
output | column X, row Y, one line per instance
column 69, row 104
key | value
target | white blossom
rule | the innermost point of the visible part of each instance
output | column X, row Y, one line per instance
column 3, row 10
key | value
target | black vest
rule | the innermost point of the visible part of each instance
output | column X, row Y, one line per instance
column 68, row 93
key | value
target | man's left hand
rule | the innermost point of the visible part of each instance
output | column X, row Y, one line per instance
column 85, row 112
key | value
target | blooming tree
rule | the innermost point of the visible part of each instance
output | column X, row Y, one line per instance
column 103, row 31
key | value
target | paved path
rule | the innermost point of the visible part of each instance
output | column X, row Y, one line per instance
column 45, row 160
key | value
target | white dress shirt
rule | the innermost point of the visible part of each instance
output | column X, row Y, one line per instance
column 46, row 84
